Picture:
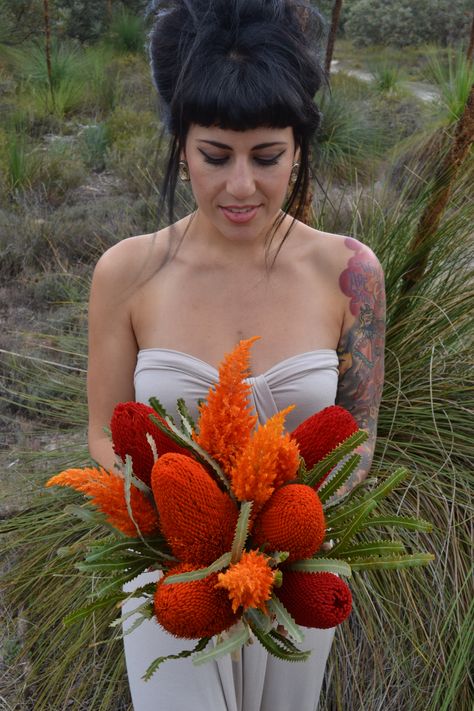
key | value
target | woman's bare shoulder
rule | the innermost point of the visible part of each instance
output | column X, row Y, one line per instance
column 334, row 252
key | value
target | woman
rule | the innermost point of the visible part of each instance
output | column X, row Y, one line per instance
column 236, row 79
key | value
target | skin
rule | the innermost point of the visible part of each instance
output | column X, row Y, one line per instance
column 324, row 291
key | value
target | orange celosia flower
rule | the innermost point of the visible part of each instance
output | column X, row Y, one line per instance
column 107, row 492
column 248, row 582
column 197, row 518
column 292, row 520
column 195, row 609
column 225, row 421
column 270, row 456
column 320, row 600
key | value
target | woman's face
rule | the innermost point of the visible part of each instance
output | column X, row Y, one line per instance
column 239, row 178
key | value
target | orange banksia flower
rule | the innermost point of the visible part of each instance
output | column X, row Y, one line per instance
column 195, row 609
column 129, row 426
column 107, row 492
column 197, row 518
column 269, row 454
column 249, row 582
column 225, row 421
column 292, row 520
column 319, row 600
column 322, row 432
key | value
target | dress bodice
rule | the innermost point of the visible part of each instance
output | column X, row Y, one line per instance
column 307, row 380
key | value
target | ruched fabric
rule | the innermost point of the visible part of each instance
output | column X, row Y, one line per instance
column 254, row 681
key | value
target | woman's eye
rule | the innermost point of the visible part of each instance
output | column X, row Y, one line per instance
column 213, row 160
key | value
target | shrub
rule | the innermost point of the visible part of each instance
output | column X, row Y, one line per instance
column 403, row 22
column 347, row 141
column 127, row 32
column 94, row 142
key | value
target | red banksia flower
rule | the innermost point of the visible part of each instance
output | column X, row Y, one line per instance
column 322, row 432
column 195, row 609
column 197, row 518
column 226, row 420
column 129, row 426
column 292, row 520
column 107, row 492
column 319, row 600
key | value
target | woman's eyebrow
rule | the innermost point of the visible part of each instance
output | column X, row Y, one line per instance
column 216, row 144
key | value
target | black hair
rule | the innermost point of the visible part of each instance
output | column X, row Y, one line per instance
column 237, row 64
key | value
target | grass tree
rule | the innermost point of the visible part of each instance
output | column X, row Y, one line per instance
column 336, row 13
column 444, row 179
column 47, row 34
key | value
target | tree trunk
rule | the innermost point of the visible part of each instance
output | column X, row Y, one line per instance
column 470, row 50
column 336, row 13
column 109, row 10
column 47, row 34
column 443, row 183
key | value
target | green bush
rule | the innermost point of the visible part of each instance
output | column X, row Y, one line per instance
column 404, row 22
column 348, row 141
column 127, row 32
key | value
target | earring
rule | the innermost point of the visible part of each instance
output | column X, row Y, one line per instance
column 294, row 173
column 183, row 171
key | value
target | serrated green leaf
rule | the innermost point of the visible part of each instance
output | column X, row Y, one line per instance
column 144, row 610
column 118, row 581
column 87, row 610
column 228, row 643
column 241, row 531
column 352, row 528
column 182, row 655
column 408, row 522
column 332, row 485
column 389, row 562
column 259, row 619
column 372, row 548
column 336, row 517
column 105, row 566
column 274, row 645
column 91, row 516
column 285, row 619
column 217, row 565
column 338, row 501
column 346, row 447
column 158, row 408
column 187, row 422
column 322, row 565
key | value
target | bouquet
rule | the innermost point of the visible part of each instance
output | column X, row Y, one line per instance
column 245, row 523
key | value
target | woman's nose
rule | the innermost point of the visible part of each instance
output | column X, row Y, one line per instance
column 241, row 180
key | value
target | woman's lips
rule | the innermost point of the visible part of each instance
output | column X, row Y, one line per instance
column 240, row 215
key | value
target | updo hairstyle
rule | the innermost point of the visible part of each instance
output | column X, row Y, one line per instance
column 239, row 65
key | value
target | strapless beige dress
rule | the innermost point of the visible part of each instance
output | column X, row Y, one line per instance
column 256, row 681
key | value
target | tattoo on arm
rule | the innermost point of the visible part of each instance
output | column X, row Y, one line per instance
column 361, row 349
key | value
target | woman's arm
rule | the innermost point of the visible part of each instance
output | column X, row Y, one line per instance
column 112, row 347
column 361, row 348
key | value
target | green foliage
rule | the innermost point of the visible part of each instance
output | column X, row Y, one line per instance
column 454, row 79
column 95, row 142
column 348, row 142
column 387, row 76
column 127, row 32
column 403, row 22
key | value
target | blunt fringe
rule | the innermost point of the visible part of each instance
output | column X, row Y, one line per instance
column 237, row 64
